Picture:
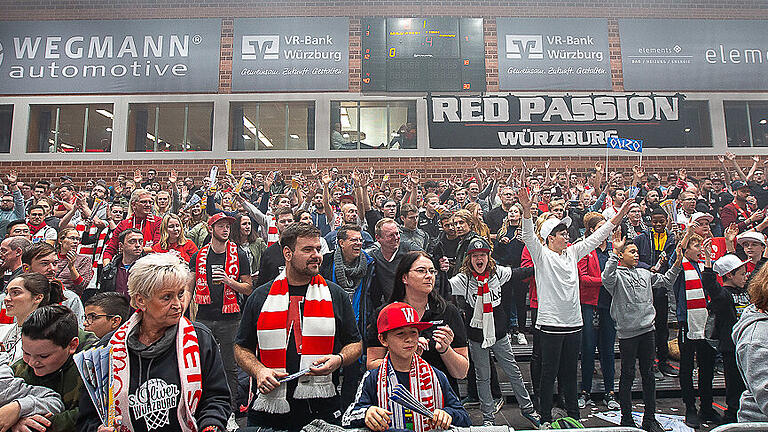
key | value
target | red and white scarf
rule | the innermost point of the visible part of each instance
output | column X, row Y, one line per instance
column 424, row 386
column 272, row 235
column 695, row 301
column 318, row 327
column 482, row 317
column 190, row 373
column 231, row 268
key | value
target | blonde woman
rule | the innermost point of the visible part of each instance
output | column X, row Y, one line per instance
column 478, row 225
column 172, row 238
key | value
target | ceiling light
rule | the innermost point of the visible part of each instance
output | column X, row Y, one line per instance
column 109, row 129
column 686, row 130
column 246, row 137
column 105, row 113
column 294, row 136
column 763, row 121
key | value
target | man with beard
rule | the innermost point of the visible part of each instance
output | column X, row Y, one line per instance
column 41, row 258
column 738, row 211
column 140, row 218
column 269, row 343
column 353, row 270
column 222, row 271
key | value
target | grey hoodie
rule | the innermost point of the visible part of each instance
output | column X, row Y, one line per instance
column 632, row 291
column 750, row 334
column 32, row 399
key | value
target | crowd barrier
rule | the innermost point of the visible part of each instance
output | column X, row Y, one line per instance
column 742, row 427
column 321, row 426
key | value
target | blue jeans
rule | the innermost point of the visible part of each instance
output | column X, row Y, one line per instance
column 604, row 338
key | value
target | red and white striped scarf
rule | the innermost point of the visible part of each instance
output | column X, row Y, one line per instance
column 231, row 268
column 318, row 327
column 272, row 235
column 93, row 250
column 482, row 317
column 424, row 386
column 190, row 373
column 695, row 301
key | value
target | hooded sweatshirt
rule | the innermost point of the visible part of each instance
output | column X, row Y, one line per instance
column 750, row 334
column 632, row 290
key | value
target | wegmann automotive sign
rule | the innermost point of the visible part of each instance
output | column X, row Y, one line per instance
column 554, row 122
column 109, row 56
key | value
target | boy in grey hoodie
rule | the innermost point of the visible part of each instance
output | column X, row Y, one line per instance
column 19, row 399
column 632, row 310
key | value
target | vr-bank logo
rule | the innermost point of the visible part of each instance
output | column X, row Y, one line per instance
column 268, row 46
column 530, row 45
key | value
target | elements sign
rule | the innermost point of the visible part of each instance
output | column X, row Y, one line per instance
column 110, row 56
column 287, row 54
column 553, row 54
column 659, row 54
column 552, row 122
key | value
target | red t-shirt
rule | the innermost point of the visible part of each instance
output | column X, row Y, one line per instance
column 185, row 251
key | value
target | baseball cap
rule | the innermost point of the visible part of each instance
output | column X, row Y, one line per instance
column 399, row 314
column 738, row 184
column 727, row 264
column 701, row 215
column 219, row 217
column 478, row 245
column 751, row 236
column 550, row 224
column 347, row 197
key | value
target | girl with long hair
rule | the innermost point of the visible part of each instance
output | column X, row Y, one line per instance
column 172, row 238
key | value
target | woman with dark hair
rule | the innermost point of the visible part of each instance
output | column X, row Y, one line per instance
column 243, row 234
column 444, row 346
column 25, row 294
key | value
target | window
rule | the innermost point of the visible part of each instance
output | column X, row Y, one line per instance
column 6, row 118
column 70, row 128
column 170, row 127
column 746, row 123
column 373, row 125
column 272, row 126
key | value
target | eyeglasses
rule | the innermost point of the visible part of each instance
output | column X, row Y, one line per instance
column 91, row 317
column 424, row 271
column 73, row 238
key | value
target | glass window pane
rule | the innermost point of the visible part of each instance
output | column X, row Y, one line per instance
column 141, row 127
column 272, row 126
column 62, row 128
column 6, row 118
column 99, row 136
column 758, row 116
column 695, row 123
column 170, row 127
column 373, row 125
column 736, row 127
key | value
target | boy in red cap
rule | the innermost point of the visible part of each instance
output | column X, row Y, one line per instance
column 399, row 332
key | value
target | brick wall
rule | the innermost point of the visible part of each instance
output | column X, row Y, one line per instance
column 429, row 168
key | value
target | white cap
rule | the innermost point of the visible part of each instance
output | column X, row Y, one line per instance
column 751, row 236
column 727, row 264
column 552, row 223
column 701, row 215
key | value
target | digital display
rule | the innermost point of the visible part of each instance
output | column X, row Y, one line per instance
column 423, row 54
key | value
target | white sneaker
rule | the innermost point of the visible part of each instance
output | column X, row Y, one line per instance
column 521, row 340
column 232, row 424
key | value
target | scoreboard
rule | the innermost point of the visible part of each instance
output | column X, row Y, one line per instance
column 423, row 54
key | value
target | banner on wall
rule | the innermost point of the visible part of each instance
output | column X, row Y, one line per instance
column 553, row 54
column 682, row 54
column 547, row 122
column 110, row 56
column 290, row 54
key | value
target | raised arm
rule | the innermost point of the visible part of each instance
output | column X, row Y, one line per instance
column 732, row 157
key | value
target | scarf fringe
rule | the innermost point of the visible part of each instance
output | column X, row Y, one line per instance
column 271, row 405
column 315, row 388
column 203, row 298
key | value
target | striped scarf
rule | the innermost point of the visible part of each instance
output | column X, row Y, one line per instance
column 272, row 235
column 424, row 386
column 231, row 268
column 318, row 330
column 482, row 316
column 695, row 301
column 93, row 250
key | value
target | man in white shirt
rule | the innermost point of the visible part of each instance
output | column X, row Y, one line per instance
column 559, row 316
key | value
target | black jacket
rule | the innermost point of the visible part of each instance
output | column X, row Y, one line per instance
column 272, row 262
column 723, row 307
column 648, row 254
column 107, row 279
column 213, row 409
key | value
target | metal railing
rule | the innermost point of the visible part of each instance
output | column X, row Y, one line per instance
column 742, row 427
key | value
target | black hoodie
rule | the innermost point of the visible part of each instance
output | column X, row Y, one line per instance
column 158, row 364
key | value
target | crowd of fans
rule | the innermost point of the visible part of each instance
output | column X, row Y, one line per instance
column 290, row 299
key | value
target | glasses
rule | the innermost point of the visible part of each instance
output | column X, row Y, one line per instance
column 73, row 238
column 354, row 240
column 91, row 317
column 424, row 271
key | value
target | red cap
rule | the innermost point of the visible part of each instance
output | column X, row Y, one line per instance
column 218, row 217
column 396, row 315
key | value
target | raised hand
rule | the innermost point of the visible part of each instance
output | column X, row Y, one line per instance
column 756, row 158
column 13, row 176
column 731, row 232
column 524, row 197
column 326, row 177
column 618, row 239
column 721, row 158
column 730, row 155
